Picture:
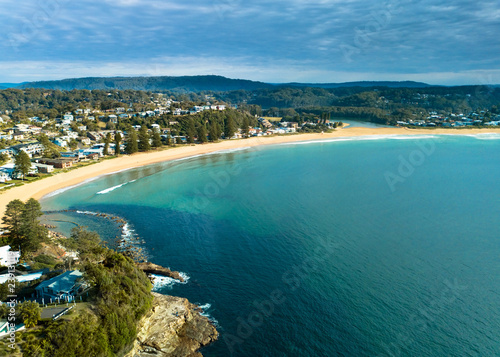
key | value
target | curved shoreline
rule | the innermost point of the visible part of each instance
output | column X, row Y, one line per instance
column 38, row 189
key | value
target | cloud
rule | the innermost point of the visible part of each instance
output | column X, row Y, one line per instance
column 399, row 37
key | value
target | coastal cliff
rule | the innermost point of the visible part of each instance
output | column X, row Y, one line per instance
column 173, row 327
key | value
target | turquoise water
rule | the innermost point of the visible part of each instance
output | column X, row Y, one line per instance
column 381, row 246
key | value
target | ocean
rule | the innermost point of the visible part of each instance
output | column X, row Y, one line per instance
column 368, row 246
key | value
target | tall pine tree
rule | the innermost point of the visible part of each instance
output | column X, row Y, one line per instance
column 191, row 131
column 107, row 141
column 22, row 163
column 156, row 137
column 144, row 144
column 229, row 126
column 202, row 134
column 131, row 145
column 213, row 131
column 118, row 140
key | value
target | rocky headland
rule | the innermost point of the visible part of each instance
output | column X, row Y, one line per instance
column 172, row 328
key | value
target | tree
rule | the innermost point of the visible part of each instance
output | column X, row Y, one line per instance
column 118, row 140
column 32, row 232
column 167, row 139
column 131, row 145
column 229, row 127
column 49, row 149
column 202, row 134
column 12, row 219
column 107, row 141
column 88, row 244
column 73, row 144
column 191, row 131
column 30, row 312
column 144, row 144
column 4, row 158
column 245, row 127
column 156, row 138
column 213, row 131
column 22, row 163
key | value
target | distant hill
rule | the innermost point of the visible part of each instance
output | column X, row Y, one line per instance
column 179, row 84
column 8, row 85
column 196, row 84
column 371, row 84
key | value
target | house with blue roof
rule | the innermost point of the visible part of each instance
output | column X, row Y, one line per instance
column 62, row 286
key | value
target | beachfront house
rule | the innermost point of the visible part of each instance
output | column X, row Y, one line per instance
column 44, row 169
column 10, row 170
column 58, row 163
column 63, row 286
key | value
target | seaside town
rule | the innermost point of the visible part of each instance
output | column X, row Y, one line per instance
column 85, row 135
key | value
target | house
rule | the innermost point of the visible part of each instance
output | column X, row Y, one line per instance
column 92, row 156
column 68, row 117
column 62, row 141
column 63, row 286
column 8, row 152
column 84, row 141
column 58, row 163
column 4, row 176
column 73, row 155
column 9, row 169
column 44, row 169
column 113, row 119
column 32, row 149
column 94, row 135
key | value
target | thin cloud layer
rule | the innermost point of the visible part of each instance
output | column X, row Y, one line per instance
column 397, row 39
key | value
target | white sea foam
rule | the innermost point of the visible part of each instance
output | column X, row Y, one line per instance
column 88, row 212
column 160, row 281
column 108, row 190
column 364, row 138
column 229, row 151
column 61, row 190
column 205, row 308
column 486, row 136
column 225, row 151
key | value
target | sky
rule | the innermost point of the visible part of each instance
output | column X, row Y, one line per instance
column 313, row 41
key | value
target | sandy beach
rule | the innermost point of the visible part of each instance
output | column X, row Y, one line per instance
column 41, row 188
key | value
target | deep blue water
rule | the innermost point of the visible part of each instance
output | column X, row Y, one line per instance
column 386, row 247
